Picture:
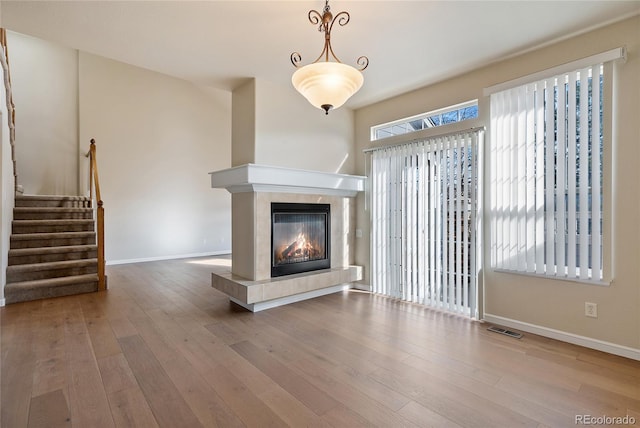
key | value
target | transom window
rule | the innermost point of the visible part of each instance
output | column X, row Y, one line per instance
column 444, row 116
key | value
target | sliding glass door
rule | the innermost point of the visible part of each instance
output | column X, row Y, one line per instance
column 425, row 245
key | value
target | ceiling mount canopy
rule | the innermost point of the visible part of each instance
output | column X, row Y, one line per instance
column 327, row 83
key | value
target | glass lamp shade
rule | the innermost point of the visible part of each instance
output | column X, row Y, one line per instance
column 327, row 85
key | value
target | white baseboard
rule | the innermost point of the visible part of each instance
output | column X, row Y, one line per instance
column 172, row 257
column 587, row 342
column 2, row 302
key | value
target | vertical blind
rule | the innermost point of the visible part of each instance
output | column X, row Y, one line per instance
column 546, row 176
column 425, row 224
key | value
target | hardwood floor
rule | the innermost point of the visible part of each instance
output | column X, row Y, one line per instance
column 161, row 348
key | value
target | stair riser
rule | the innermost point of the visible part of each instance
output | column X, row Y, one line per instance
column 53, row 228
column 53, row 203
column 55, row 242
column 19, row 295
column 52, row 215
column 52, row 257
column 49, row 273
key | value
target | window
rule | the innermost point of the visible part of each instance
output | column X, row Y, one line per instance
column 452, row 114
column 547, row 181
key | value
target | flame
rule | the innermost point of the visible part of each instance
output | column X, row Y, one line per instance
column 301, row 242
column 300, row 248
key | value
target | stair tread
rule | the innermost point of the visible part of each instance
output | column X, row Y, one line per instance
column 52, row 265
column 23, row 291
column 45, row 235
column 53, row 221
column 52, row 197
column 52, row 209
column 41, row 250
column 52, row 282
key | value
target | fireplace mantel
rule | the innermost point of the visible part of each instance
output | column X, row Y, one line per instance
column 265, row 178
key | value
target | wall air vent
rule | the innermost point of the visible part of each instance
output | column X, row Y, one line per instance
column 509, row 333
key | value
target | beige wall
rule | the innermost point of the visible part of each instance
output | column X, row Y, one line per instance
column 292, row 133
column 243, row 124
column 157, row 139
column 275, row 125
column 45, row 91
column 550, row 304
column 156, row 135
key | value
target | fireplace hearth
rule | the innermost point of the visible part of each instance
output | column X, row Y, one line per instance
column 300, row 238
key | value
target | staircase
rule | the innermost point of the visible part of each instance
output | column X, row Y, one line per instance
column 53, row 248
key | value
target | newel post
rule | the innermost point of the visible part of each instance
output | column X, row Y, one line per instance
column 95, row 183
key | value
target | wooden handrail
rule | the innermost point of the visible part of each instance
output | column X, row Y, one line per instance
column 94, row 183
column 4, row 59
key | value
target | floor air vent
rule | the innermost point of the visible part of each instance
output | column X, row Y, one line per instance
column 505, row 332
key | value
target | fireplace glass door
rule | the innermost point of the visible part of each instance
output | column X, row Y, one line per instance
column 299, row 238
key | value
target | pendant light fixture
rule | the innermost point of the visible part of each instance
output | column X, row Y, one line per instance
column 327, row 83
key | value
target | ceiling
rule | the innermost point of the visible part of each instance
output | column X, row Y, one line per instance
column 222, row 43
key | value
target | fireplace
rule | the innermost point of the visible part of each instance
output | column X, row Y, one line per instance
column 300, row 238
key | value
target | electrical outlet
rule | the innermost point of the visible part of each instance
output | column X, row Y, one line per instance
column 591, row 309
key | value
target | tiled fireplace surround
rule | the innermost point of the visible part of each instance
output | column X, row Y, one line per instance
column 253, row 188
